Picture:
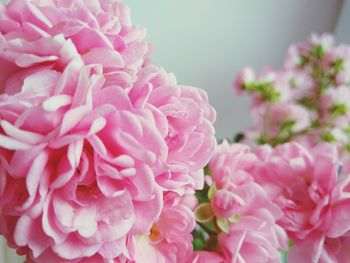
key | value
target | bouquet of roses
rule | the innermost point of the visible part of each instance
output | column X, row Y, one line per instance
column 100, row 150
column 103, row 155
column 286, row 197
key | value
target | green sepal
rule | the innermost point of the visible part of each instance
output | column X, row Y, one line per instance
column 212, row 191
column 204, row 213
column 222, row 223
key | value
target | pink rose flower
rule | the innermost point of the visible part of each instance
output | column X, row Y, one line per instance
column 185, row 120
column 90, row 140
column 206, row 256
column 100, row 157
column 243, row 209
column 255, row 237
column 79, row 167
column 170, row 238
column 309, row 189
column 226, row 203
column 232, row 164
column 37, row 33
column 318, row 248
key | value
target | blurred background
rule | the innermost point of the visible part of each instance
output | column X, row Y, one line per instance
column 205, row 43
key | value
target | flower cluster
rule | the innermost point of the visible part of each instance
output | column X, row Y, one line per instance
column 100, row 150
column 260, row 196
column 307, row 100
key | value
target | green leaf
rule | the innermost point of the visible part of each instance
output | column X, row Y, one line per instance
column 262, row 140
column 204, row 213
column 328, row 137
column 212, row 192
column 290, row 244
column 287, row 125
column 238, row 137
column 284, row 252
column 250, row 86
column 284, row 256
column 267, row 92
column 318, row 52
column 198, row 244
column 234, row 218
column 222, row 223
column 338, row 64
column 202, row 194
column 308, row 103
column 207, row 170
column 338, row 109
column 303, row 61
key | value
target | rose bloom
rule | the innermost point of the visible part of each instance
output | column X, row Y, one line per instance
column 170, row 238
column 309, row 188
column 34, row 33
column 254, row 236
column 231, row 165
column 185, row 120
column 206, row 256
column 75, row 178
column 85, row 157
column 80, row 168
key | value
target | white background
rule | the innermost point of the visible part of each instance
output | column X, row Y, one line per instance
column 206, row 42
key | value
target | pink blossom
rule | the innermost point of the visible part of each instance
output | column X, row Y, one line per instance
column 342, row 52
column 76, row 179
column 232, row 164
column 295, row 52
column 170, row 238
column 245, row 77
column 206, row 256
column 37, row 33
column 99, row 158
column 334, row 104
column 91, row 137
column 271, row 119
column 318, row 248
column 226, row 203
column 185, row 120
column 308, row 188
column 325, row 40
column 255, row 237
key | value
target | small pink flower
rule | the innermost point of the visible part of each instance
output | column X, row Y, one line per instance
column 170, row 238
column 226, row 203
column 255, row 237
column 232, row 164
column 245, row 77
column 335, row 104
column 275, row 116
column 326, row 40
